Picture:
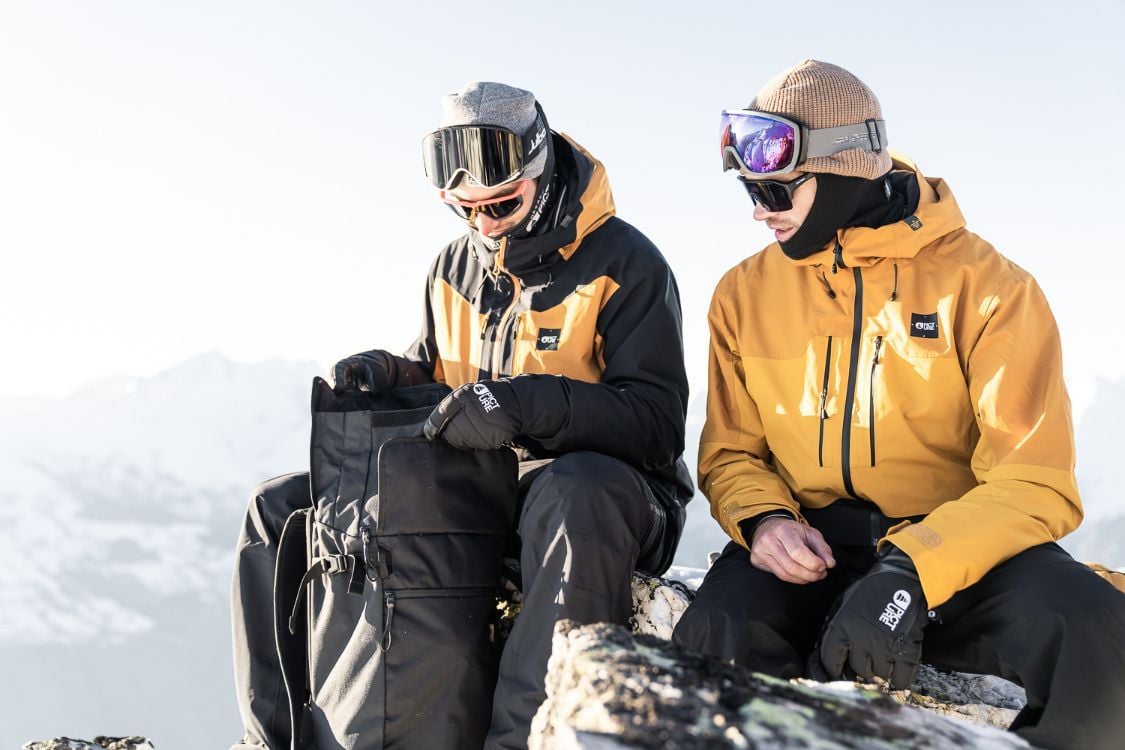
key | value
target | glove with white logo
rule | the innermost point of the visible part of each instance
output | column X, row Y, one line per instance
column 876, row 630
column 477, row 415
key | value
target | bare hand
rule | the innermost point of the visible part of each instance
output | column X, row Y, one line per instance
column 793, row 552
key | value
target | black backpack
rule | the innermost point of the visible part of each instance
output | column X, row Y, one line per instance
column 386, row 586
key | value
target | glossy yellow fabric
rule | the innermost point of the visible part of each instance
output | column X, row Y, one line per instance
column 972, row 427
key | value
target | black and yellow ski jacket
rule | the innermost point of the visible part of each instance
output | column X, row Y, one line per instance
column 910, row 365
column 590, row 307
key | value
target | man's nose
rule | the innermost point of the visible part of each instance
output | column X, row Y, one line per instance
column 486, row 224
column 760, row 213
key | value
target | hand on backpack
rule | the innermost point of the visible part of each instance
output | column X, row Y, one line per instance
column 367, row 371
column 477, row 415
column 876, row 631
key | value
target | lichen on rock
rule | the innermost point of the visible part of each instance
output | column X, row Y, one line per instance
column 609, row 688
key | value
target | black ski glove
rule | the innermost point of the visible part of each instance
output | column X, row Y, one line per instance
column 477, row 415
column 876, row 629
column 373, row 371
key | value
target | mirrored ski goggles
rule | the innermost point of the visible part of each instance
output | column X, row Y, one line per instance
column 500, row 207
column 759, row 144
column 489, row 156
column 774, row 195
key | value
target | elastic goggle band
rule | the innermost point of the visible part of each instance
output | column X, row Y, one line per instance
column 760, row 144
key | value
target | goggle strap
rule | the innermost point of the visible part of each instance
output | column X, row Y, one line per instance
column 535, row 139
column 870, row 136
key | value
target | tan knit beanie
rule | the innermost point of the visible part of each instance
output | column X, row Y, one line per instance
column 821, row 95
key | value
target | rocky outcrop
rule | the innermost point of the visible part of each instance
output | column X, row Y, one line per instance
column 608, row 688
column 99, row 743
column 988, row 701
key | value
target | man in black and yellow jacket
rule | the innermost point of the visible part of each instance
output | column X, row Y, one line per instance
column 888, row 438
column 558, row 326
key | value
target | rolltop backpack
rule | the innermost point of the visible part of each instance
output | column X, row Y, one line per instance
column 385, row 588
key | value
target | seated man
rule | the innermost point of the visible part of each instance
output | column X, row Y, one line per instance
column 559, row 326
column 888, row 438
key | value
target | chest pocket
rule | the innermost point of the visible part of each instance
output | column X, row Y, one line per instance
column 918, row 401
column 561, row 341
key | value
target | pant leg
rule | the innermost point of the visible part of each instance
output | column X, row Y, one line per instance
column 586, row 522
column 1049, row 623
column 754, row 619
column 262, row 700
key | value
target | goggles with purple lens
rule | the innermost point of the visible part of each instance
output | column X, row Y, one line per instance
column 760, row 144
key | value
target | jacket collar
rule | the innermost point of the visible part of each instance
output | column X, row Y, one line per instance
column 936, row 216
column 587, row 204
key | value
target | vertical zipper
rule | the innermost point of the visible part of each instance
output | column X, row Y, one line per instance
column 871, row 396
column 388, row 617
column 501, row 334
column 853, row 367
column 824, row 400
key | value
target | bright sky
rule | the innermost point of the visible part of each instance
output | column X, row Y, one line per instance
column 246, row 177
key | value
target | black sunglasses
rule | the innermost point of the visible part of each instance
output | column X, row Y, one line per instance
column 774, row 195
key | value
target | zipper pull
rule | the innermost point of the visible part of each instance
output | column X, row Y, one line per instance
column 388, row 616
column 824, row 403
column 878, row 345
column 838, row 254
column 365, row 536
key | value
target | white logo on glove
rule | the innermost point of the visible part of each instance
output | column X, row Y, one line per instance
column 487, row 401
column 895, row 609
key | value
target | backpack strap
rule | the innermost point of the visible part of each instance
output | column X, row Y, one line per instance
column 291, row 641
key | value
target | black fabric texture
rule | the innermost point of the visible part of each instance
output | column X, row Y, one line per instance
column 406, row 658
column 877, row 209
column 851, row 202
column 1040, row 619
column 259, row 687
column 586, row 522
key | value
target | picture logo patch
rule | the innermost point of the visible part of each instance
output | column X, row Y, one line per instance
column 924, row 326
column 548, row 340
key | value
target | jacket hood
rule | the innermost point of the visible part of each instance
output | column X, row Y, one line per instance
column 936, row 216
column 587, row 204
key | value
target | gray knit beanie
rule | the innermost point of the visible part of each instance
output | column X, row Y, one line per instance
column 821, row 95
column 486, row 103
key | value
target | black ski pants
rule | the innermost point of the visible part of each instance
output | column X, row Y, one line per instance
column 587, row 521
column 1040, row 619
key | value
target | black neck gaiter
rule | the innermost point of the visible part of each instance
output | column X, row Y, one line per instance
column 838, row 199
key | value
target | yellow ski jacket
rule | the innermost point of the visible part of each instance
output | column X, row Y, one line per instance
column 910, row 365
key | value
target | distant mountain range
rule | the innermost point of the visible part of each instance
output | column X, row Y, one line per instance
column 119, row 509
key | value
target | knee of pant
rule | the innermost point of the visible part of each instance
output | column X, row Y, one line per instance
column 588, row 492
column 274, row 500
column 710, row 630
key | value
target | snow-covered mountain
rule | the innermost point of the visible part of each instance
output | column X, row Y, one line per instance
column 119, row 509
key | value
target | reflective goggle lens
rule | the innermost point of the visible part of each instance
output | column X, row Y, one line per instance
column 760, row 145
column 490, row 156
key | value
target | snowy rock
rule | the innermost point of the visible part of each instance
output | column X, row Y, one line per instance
column 99, row 743
column 607, row 688
column 658, row 604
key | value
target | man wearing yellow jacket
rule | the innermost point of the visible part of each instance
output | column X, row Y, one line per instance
column 888, row 437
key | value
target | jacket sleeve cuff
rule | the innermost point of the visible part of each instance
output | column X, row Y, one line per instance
column 748, row 526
